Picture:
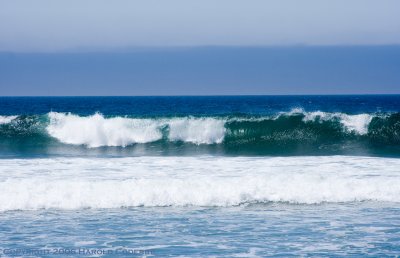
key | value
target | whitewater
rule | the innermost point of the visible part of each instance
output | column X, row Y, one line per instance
column 96, row 130
column 76, row 183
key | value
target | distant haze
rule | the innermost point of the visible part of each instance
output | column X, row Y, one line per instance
column 53, row 25
column 204, row 71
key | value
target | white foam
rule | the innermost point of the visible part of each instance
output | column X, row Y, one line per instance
column 353, row 123
column 76, row 183
column 356, row 123
column 6, row 119
column 96, row 130
column 198, row 131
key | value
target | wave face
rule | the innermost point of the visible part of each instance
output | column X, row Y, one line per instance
column 75, row 183
column 283, row 133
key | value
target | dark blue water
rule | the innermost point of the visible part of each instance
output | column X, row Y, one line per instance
column 198, row 105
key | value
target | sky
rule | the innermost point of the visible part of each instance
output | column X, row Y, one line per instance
column 54, row 25
column 208, row 47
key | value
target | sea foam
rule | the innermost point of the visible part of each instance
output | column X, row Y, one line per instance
column 6, row 119
column 353, row 123
column 96, row 130
column 199, row 131
column 76, row 183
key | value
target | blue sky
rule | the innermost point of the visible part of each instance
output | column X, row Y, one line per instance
column 208, row 47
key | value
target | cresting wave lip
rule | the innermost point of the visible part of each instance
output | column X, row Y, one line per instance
column 76, row 183
column 96, row 130
column 353, row 123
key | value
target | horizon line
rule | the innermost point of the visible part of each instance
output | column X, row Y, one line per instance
column 85, row 49
column 217, row 95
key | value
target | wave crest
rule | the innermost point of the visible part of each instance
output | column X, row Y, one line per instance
column 97, row 131
column 198, row 131
column 7, row 119
column 353, row 123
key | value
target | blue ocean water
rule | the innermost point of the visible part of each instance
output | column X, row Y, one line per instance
column 219, row 176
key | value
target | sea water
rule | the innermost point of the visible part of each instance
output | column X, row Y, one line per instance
column 249, row 176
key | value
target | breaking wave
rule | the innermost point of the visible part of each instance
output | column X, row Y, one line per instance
column 96, row 131
column 315, row 131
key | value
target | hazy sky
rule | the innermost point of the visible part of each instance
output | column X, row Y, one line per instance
column 54, row 25
column 202, row 47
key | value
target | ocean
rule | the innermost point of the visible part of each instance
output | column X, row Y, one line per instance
column 206, row 176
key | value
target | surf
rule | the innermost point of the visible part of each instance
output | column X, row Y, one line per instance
column 77, row 183
column 311, row 132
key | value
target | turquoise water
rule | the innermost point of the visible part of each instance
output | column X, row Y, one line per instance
column 250, row 176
